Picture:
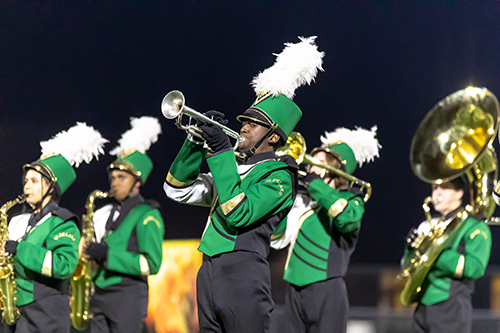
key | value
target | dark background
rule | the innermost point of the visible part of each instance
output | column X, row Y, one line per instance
column 387, row 63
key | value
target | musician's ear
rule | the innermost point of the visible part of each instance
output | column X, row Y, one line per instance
column 273, row 138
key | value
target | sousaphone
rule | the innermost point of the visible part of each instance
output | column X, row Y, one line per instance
column 454, row 140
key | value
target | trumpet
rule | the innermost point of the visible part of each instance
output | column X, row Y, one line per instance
column 174, row 105
column 296, row 147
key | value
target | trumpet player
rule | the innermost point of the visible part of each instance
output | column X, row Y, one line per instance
column 322, row 231
column 45, row 239
column 247, row 202
column 129, row 234
column 445, row 304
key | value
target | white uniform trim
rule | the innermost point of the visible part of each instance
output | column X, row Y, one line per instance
column 47, row 264
column 302, row 204
column 100, row 218
column 143, row 262
column 425, row 227
column 17, row 226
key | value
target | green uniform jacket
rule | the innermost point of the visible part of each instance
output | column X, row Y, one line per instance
column 135, row 247
column 46, row 257
column 327, row 235
column 462, row 262
column 248, row 201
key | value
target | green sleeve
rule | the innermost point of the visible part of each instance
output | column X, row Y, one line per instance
column 59, row 258
column 150, row 237
column 243, row 207
column 148, row 260
column 345, row 208
column 280, row 230
column 477, row 254
column 186, row 165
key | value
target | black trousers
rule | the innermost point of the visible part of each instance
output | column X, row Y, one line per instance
column 318, row 307
column 234, row 293
column 47, row 315
column 452, row 315
column 119, row 309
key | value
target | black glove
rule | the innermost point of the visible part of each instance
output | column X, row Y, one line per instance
column 214, row 115
column 216, row 139
column 11, row 247
column 97, row 251
column 310, row 177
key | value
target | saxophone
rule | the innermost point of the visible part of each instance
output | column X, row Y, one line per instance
column 81, row 279
column 7, row 281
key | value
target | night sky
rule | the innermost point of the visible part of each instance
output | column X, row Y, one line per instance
column 386, row 64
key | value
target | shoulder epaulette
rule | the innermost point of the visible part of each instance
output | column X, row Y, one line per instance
column 66, row 215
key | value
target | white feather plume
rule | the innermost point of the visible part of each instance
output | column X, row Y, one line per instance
column 144, row 132
column 295, row 66
column 362, row 142
column 77, row 144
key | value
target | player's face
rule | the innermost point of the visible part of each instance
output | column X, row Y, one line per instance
column 122, row 184
column 252, row 133
column 445, row 197
column 35, row 187
column 321, row 157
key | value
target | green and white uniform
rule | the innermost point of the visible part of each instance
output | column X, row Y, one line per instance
column 46, row 257
column 322, row 232
column 448, row 287
column 133, row 233
column 247, row 203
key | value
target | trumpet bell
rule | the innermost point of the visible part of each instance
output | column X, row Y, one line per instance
column 172, row 104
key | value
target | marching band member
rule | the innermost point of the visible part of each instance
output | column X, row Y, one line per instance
column 445, row 304
column 247, row 200
column 45, row 240
column 129, row 234
column 322, row 232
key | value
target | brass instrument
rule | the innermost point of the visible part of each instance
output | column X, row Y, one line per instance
column 454, row 139
column 10, row 312
column 81, row 280
column 173, row 106
column 296, row 147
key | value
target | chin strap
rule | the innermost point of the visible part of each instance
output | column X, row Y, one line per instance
column 38, row 205
column 264, row 138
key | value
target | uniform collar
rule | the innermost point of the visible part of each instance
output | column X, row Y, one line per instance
column 452, row 213
column 50, row 207
column 131, row 202
column 254, row 159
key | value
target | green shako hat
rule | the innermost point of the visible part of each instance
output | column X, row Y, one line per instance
column 65, row 150
column 275, row 87
column 351, row 147
column 133, row 145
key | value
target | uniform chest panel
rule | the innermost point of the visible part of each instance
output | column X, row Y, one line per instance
column 39, row 233
column 126, row 227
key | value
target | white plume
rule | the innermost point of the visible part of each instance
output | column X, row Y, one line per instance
column 295, row 66
column 77, row 144
column 144, row 132
column 362, row 142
